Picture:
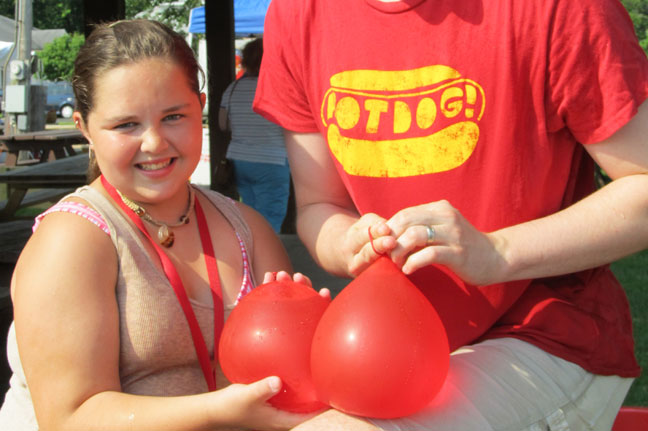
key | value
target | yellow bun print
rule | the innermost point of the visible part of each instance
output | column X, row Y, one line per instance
column 424, row 120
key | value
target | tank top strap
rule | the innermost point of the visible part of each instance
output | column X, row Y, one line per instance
column 233, row 215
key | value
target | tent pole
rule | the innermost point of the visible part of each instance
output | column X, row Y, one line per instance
column 219, row 33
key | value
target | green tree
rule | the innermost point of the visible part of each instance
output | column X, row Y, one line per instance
column 638, row 10
column 175, row 14
column 58, row 56
column 66, row 14
column 133, row 7
column 7, row 8
column 49, row 14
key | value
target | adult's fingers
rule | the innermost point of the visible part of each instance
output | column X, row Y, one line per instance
column 370, row 251
column 429, row 214
column 415, row 238
column 359, row 233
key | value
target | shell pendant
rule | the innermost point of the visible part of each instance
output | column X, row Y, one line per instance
column 165, row 236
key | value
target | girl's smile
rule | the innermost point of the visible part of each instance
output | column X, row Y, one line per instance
column 152, row 166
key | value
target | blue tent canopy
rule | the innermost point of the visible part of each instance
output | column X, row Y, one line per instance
column 248, row 17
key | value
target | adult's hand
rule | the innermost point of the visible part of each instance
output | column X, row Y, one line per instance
column 450, row 240
column 366, row 240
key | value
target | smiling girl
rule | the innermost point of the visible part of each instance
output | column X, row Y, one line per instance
column 121, row 293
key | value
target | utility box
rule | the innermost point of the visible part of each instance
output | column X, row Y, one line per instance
column 16, row 99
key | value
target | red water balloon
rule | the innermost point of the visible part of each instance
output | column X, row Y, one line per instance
column 269, row 333
column 380, row 349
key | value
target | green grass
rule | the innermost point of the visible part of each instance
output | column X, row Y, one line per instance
column 632, row 272
column 32, row 211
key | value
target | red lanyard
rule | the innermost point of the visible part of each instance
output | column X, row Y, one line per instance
column 178, row 287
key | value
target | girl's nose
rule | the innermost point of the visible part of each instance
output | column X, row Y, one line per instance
column 153, row 141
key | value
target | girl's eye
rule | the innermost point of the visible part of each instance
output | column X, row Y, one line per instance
column 125, row 125
column 173, row 117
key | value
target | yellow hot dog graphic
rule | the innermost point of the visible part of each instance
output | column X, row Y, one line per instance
column 402, row 123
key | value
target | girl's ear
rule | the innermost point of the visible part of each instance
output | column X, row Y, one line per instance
column 78, row 120
column 80, row 124
column 203, row 100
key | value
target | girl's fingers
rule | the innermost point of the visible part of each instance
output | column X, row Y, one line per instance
column 325, row 293
column 269, row 277
column 298, row 277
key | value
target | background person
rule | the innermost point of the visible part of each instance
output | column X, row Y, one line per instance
column 463, row 134
column 257, row 147
column 121, row 293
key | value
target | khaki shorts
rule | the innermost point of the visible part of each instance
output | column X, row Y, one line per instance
column 510, row 385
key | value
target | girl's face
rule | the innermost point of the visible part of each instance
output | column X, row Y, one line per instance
column 146, row 129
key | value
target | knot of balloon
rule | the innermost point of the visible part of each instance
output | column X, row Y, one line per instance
column 379, row 349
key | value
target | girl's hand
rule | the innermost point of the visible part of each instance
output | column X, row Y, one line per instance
column 298, row 277
column 473, row 255
column 246, row 406
column 366, row 240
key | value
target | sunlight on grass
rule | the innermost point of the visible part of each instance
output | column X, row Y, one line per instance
column 632, row 272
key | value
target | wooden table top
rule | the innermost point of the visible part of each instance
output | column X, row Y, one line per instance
column 44, row 135
column 66, row 172
column 45, row 145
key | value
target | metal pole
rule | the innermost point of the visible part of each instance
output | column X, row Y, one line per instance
column 20, row 68
column 25, row 55
column 25, row 37
column 7, row 123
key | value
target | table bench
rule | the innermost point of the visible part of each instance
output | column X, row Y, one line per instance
column 45, row 145
column 33, row 197
column 51, row 181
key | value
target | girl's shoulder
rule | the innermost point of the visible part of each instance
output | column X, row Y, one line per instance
column 68, row 233
column 65, row 247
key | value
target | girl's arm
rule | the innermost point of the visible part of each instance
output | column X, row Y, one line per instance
column 67, row 327
column 269, row 252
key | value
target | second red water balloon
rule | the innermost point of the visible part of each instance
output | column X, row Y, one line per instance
column 380, row 349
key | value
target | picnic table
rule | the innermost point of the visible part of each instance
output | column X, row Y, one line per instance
column 45, row 145
column 42, row 182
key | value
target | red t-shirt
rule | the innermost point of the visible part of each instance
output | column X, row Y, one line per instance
column 484, row 107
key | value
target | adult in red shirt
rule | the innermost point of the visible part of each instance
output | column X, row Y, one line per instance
column 463, row 133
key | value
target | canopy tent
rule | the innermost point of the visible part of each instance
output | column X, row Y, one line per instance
column 248, row 17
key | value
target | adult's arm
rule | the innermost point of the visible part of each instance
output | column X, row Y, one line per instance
column 607, row 225
column 327, row 221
